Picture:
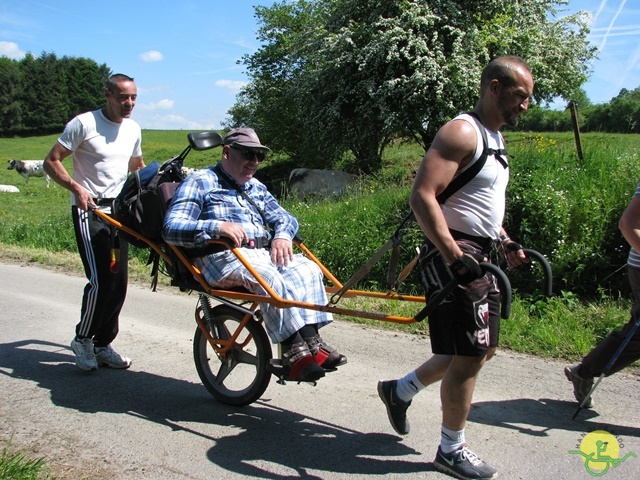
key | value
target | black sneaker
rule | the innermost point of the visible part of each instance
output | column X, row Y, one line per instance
column 396, row 408
column 464, row 464
column 581, row 386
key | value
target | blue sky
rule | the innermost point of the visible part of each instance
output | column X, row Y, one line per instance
column 184, row 54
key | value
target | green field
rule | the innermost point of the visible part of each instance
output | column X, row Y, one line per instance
column 563, row 207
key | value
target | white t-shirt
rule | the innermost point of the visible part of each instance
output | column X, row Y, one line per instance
column 101, row 152
column 478, row 207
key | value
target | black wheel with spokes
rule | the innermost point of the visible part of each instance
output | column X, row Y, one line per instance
column 239, row 376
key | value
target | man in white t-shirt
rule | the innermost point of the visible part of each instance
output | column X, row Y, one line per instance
column 106, row 147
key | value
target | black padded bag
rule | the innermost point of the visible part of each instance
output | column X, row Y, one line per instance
column 144, row 198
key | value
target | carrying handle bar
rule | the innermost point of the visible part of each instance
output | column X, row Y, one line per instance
column 505, row 293
column 548, row 274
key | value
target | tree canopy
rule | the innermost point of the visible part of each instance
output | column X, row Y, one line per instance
column 620, row 115
column 40, row 95
column 338, row 77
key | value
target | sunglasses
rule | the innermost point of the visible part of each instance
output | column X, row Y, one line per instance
column 249, row 154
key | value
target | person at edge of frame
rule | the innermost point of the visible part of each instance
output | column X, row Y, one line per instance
column 226, row 200
column 106, row 145
column 593, row 364
column 464, row 328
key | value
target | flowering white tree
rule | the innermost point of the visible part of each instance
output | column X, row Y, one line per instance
column 338, row 76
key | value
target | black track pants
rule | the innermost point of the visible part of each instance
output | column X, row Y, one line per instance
column 105, row 293
column 598, row 358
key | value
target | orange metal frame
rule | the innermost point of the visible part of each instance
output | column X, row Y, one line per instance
column 272, row 297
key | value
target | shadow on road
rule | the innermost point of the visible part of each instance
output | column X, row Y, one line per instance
column 268, row 434
column 303, row 443
column 537, row 417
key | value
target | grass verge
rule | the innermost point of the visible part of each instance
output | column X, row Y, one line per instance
column 16, row 465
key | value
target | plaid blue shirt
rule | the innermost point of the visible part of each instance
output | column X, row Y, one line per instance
column 203, row 201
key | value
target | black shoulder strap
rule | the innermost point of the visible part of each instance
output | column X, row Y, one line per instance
column 468, row 175
column 499, row 153
column 219, row 171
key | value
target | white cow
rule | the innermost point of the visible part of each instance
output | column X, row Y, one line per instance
column 9, row 189
column 29, row 168
column 306, row 182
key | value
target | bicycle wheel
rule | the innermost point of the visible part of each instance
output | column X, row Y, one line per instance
column 240, row 377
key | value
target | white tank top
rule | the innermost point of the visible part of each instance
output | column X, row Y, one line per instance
column 478, row 207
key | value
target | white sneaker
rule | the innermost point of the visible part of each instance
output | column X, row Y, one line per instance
column 108, row 357
column 85, row 356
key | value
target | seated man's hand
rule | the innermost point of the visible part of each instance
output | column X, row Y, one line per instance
column 235, row 232
column 281, row 252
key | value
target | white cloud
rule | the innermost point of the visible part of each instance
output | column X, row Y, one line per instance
column 11, row 50
column 611, row 24
column 164, row 104
column 602, row 6
column 152, row 56
column 233, row 86
column 633, row 65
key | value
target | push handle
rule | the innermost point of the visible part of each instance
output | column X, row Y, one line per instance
column 505, row 288
column 546, row 268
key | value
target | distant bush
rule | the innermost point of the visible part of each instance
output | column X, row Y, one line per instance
column 569, row 209
column 620, row 115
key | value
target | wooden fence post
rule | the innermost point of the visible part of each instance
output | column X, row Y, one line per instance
column 576, row 128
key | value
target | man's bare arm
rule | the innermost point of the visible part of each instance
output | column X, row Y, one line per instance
column 54, row 168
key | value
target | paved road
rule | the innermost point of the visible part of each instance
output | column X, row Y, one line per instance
column 156, row 420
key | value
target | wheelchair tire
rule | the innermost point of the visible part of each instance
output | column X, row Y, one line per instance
column 242, row 377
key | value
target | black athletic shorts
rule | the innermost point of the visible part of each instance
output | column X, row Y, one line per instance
column 467, row 323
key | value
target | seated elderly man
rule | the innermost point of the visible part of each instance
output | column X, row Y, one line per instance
column 226, row 201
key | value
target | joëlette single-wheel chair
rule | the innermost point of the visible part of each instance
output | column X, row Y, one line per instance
column 231, row 349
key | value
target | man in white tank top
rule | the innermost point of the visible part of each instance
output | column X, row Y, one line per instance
column 464, row 328
column 106, row 146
